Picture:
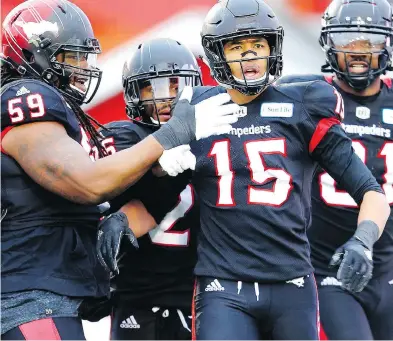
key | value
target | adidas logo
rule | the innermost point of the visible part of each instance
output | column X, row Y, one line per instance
column 330, row 281
column 214, row 286
column 299, row 282
column 22, row 91
column 130, row 323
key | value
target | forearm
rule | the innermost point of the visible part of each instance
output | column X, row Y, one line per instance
column 374, row 207
column 140, row 220
column 110, row 176
column 58, row 163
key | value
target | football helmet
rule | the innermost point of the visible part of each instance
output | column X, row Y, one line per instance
column 53, row 41
column 346, row 24
column 237, row 19
column 153, row 76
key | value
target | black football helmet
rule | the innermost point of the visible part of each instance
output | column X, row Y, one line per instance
column 347, row 21
column 163, row 67
column 232, row 19
column 39, row 37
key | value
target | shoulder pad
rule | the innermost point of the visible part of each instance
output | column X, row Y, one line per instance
column 28, row 100
column 298, row 78
column 388, row 81
column 200, row 93
column 125, row 134
column 294, row 90
column 323, row 100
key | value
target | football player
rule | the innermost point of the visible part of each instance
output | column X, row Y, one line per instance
column 254, row 273
column 50, row 185
column 357, row 37
column 153, row 288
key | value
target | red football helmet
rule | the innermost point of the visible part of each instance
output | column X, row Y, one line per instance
column 52, row 40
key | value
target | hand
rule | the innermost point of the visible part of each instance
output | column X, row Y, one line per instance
column 110, row 233
column 189, row 122
column 213, row 116
column 356, row 265
column 177, row 160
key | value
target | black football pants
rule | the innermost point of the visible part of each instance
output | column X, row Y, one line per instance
column 150, row 323
column 235, row 310
column 366, row 315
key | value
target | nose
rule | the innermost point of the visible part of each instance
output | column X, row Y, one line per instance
column 249, row 52
column 83, row 63
column 163, row 105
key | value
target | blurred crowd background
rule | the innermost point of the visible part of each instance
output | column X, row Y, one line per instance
column 120, row 25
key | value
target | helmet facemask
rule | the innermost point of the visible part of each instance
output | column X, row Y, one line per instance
column 245, row 73
column 74, row 70
column 148, row 99
column 357, row 55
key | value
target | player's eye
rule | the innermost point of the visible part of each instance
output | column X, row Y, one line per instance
column 236, row 47
column 259, row 45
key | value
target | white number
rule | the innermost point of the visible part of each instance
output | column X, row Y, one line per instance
column 282, row 187
column 85, row 143
column 220, row 151
column 334, row 197
column 339, row 110
column 162, row 234
column 35, row 104
column 387, row 153
column 16, row 113
column 260, row 174
column 109, row 145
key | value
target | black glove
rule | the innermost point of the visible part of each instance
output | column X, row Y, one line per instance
column 110, row 233
column 94, row 309
column 356, row 264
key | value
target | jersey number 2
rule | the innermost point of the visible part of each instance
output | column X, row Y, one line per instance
column 163, row 234
column 334, row 197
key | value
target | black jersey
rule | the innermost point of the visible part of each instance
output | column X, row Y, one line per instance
column 47, row 241
column 254, row 184
column 368, row 121
column 160, row 272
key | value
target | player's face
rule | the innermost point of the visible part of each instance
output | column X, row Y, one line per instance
column 246, row 50
column 79, row 60
column 158, row 95
column 358, row 52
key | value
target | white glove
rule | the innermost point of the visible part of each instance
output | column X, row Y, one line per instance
column 177, row 160
column 213, row 116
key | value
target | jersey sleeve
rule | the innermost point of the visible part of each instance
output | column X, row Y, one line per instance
column 329, row 145
column 323, row 111
column 29, row 101
column 297, row 78
column 148, row 189
column 120, row 135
